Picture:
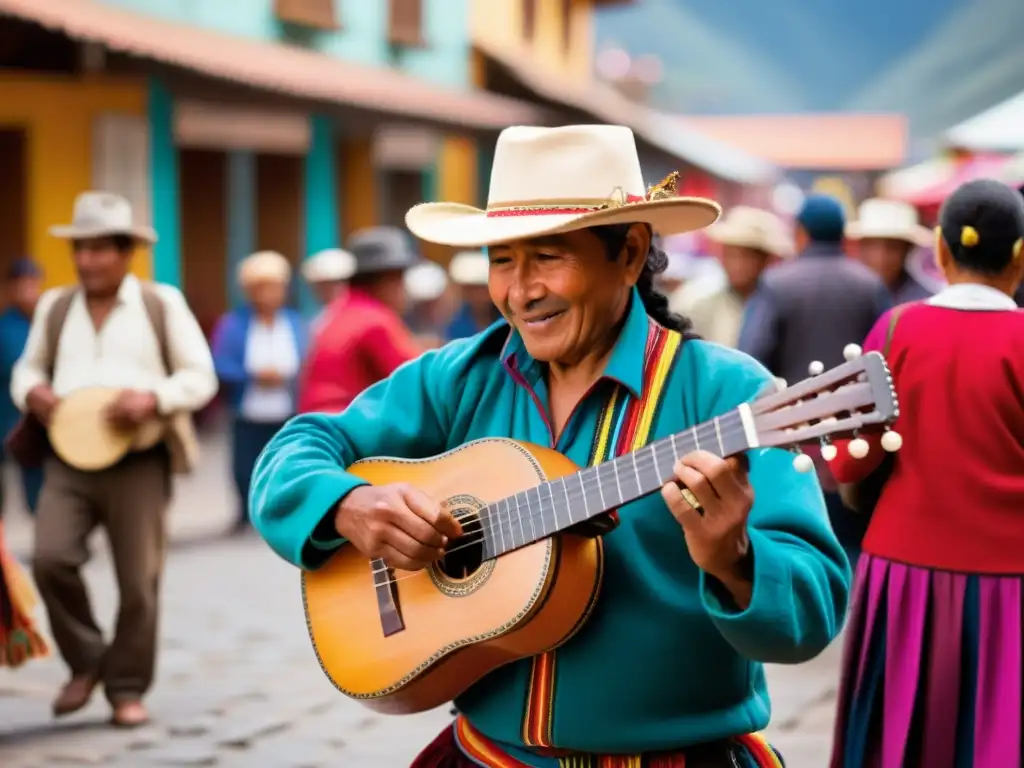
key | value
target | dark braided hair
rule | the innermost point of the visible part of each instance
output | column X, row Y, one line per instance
column 613, row 237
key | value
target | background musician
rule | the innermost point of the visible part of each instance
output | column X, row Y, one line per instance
column 697, row 591
column 107, row 338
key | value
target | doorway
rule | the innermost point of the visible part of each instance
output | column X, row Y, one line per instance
column 202, row 177
column 13, row 196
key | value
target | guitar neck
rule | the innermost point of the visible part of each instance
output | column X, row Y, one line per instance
column 559, row 504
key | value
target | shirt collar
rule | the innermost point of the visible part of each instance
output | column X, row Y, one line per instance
column 973, row 297
column 626, row 363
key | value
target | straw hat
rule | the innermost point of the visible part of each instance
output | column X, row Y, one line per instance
column 550, row 180
column 425, row 282
column 889, row 219
column 99, row 214
column 469, row 268
column 264, row 266
column 328, row 266
column 747, row 227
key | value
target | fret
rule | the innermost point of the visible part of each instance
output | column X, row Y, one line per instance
column 583, row 492
column 502, row 516
column 696, row 438
column 599, row 482
column 487, row 527
column 538, row 515
column 519, row 522
column 593, row 497
column 568, row 503
column 718, row 435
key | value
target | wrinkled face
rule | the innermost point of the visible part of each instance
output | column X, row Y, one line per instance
column 101, row 264
column 565, row 293
column 885, row 257
column 743, row 266
column 267, row 296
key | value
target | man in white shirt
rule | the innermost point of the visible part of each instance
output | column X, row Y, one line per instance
column 117, row 332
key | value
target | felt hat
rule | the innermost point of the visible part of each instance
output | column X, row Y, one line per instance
column 100, row 214
column 264, row 266
column 747, row 227
column 890, row 220
column 469, row 268
column 382, row 249
column 550, row 180
column 328, row 266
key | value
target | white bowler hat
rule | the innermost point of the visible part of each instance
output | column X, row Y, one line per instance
column 469, row 268
column 889, row 219
column 264, row 266
column 747, row 227
column 101, row 214
column 331, row 265
column 550, row 180
column 425, row 282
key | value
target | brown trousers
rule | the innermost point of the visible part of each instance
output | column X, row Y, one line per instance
column 129, row 500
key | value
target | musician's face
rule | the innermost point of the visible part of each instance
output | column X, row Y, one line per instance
column 102, row 263
column 563, row 293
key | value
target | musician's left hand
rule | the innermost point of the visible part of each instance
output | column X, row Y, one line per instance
column 132, row 408
column 716, row 534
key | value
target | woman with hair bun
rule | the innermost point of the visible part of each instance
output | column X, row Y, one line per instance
column 932, row 670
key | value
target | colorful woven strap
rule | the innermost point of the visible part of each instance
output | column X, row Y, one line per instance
column 758, row 753
column 624, row 425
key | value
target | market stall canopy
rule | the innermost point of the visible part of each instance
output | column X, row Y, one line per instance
column 999, row 129
column 663, row 131
column 927, row 184
column 280, row 68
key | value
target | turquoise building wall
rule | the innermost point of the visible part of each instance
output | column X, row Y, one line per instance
column 363, row 38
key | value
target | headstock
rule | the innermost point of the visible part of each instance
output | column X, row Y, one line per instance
column 854, row 396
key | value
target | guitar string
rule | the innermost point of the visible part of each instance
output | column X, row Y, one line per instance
column 574, row 495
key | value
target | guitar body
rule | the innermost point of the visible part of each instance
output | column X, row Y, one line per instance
column 461, row 618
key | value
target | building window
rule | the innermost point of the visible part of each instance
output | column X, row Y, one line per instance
column 318, row 14
column 566, row 27
column 529, row 19
column 406, row 23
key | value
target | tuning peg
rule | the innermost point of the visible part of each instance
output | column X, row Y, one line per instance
column 858, row 448
column 803, row 463
column 852, row 351
column 816, row 367
column 780, row 383
column 892, row 441
column 828, row 451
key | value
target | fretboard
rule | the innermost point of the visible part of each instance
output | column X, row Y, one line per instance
column 554, row 506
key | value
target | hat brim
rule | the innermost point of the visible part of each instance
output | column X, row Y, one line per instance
column 70, row 232
column 463, row 226
column 917, row 235
column 740, row 237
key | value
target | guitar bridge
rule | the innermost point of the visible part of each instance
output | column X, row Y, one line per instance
column 386, row 589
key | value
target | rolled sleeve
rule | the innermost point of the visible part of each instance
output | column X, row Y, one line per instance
column 29, row 371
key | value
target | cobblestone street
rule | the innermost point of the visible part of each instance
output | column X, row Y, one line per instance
column 238, row 683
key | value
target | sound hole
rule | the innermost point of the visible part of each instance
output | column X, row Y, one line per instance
column 465, row 555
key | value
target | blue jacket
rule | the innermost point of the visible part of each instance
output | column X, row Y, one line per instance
column 661, row 663
column 14, row 325
column 229, row 342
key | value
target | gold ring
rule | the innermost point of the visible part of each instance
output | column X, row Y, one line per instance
column 689, row 498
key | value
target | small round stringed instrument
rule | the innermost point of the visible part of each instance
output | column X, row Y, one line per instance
column 521, row 581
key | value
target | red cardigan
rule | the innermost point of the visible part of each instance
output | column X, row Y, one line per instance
column 955, row 499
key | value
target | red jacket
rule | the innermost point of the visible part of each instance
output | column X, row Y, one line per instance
column 955, row 499
column 360, row 342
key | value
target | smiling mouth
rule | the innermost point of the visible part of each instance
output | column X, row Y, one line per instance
column 541, row 320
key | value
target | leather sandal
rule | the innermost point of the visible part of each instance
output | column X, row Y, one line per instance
column 75, row 695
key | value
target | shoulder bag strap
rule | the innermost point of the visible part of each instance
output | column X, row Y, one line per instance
column 55, row 319
column 156, row 310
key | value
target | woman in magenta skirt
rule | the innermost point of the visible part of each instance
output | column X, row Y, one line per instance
column 932, row 670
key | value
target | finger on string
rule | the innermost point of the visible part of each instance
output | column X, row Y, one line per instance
column 395, row 559
column 409, row 547
column 427, row 508
column 407, row 521
column 707, row 466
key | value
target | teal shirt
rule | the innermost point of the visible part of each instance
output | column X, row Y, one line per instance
column 661, row 663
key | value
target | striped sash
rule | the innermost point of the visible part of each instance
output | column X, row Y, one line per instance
column 754, row 751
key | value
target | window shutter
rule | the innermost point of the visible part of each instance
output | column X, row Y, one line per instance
column 318, row 14
column 406, row 23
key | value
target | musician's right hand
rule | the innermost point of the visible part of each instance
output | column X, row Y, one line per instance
column 41, row 401
column 397, row 523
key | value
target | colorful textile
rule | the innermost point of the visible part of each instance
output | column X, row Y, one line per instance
column 623, row 426
column 462, row 746
column 19, row 639
column 931, row 671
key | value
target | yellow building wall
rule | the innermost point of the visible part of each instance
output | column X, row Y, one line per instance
column 57, row 115
column 500, row 23
column 358, row 186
